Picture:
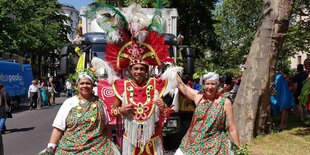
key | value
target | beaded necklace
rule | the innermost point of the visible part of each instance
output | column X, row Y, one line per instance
column 93, row 107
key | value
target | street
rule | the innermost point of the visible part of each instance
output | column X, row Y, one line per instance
column 28, row 132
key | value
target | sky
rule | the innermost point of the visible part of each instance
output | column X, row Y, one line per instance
column 77, row 3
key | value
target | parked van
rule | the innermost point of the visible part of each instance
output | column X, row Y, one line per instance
column 16, row 79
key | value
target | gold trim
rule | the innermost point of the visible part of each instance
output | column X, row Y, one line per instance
column 116, row 92
column 164, row 89
column 147, row 54
column 121, row 52
column 152, row 51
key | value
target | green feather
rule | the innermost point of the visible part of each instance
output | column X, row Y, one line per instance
column 156, row 23
column 91, row 11
column 116, row 11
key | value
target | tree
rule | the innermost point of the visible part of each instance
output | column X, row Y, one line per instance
column 253, row 99
column 235, row 27
column 33, row 27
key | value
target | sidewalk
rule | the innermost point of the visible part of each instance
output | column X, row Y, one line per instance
column 24, row 106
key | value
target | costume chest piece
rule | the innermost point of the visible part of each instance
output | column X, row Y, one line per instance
column 142, row 99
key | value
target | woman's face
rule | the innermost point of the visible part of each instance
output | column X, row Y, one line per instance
column 85, row 86
column 210, row 87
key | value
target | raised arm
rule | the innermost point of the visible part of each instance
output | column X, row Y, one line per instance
column 186, row 90
column 231, row 122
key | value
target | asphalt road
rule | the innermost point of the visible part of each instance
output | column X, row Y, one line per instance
column 28, row 132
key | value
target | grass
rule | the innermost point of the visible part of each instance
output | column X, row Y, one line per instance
column 294, row 140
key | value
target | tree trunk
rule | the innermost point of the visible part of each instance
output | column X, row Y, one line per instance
column 253, row 98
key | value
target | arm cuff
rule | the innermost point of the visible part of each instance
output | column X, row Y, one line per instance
column 51, row 145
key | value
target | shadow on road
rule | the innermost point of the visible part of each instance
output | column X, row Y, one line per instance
column 18, row 130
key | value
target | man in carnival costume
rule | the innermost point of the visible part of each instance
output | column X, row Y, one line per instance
column 134, row 44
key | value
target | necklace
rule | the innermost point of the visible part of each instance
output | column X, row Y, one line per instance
column 93, row 109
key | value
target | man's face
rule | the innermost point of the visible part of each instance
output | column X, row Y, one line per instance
column 138, row 72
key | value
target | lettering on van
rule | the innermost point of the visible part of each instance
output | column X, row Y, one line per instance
column 10, row 77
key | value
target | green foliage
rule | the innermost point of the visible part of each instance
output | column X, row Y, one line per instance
column 298, row 36
column 243, row 150
column 195, row 23
column 33, row 27
column 147, row 3
column 236, row 25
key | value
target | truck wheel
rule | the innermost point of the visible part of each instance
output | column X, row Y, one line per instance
column 16, row 104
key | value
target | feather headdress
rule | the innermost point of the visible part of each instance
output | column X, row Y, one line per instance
column 132, row 37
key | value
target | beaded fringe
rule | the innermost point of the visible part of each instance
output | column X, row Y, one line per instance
column 139, row 133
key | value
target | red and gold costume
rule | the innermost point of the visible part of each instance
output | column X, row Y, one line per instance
column 142, row 128
column 132, row 41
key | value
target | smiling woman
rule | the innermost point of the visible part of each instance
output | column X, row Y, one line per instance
column 212, row 121
column 80, row 126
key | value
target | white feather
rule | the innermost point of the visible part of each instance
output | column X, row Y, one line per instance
column 114, row 37
column 102, row 67
column 140, row 35
column 170, row 75
column 136, row 18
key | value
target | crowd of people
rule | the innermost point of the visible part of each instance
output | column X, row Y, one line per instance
column 291, row 93
column 41, row 93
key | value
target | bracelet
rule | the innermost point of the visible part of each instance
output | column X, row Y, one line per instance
column 116, row 111
column 51, row 145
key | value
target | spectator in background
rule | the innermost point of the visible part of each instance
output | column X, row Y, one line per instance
column 282, row 100
column 227, row 86
column 39, row 100
column 235, row 89
column 304, row 98
column 298, row 79
column 44, row 96
column 68, row 87
column 197, row 85
column 33, row 95
column 5, row 107
column 51, row 91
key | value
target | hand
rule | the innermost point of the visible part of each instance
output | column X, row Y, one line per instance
column 160, row 103
column 126, row 109
column 47, row 151
column 180, row 81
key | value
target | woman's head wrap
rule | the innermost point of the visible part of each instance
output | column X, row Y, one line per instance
column 210, row 76
column 84, row 75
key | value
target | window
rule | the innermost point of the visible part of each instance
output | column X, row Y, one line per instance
column 299, row 59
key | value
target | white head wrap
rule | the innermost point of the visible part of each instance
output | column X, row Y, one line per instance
column 210, row 76
column 82, row 75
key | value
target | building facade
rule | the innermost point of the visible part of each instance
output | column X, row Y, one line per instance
column 73, row 13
